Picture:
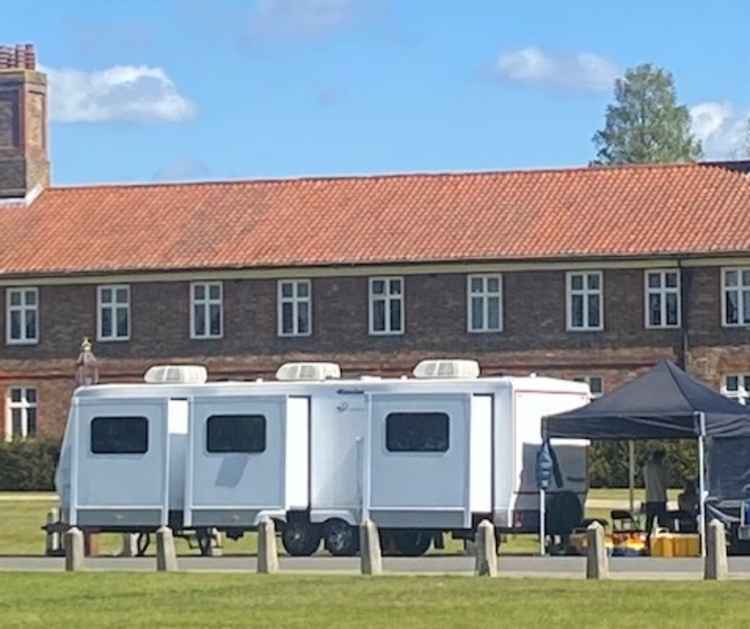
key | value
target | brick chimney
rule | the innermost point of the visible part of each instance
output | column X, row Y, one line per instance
column 24, row 163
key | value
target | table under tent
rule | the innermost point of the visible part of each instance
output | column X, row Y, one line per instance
column 667, row 403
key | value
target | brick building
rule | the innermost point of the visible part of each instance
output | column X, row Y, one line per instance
column 587, row 273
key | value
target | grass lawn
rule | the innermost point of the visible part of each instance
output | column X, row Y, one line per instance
column 246, row 600
column 20, row 534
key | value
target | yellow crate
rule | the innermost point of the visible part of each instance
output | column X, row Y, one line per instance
column 675, row 545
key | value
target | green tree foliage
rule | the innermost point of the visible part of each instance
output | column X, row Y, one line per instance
column 645, row 125
column 608, row 462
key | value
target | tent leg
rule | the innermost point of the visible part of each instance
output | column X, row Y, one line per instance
column 542, row 522
column 631, row 474
column 701, row 481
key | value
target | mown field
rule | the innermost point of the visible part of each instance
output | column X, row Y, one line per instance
column 248, row 600
column 20, row 521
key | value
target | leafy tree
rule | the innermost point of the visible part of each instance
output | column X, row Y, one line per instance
column 645, row 124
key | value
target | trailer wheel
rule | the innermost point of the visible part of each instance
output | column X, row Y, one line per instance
column 300, row 538
column 341, row 539
column 413, row 543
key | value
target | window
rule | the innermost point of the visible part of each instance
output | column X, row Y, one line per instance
column 737, row 387
column 736, row 296
column 485, row 303
column 236, row 433
column 662, row 299
column 22, row 316
column 294, row 308
column 21, row 413
column 417, row 432
column 119, row 435
column 386, row 305
column 585, row 302
column 206, row 310
column 113, row 320
column 596, row 384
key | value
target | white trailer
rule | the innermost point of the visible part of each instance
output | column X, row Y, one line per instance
column 419, row 456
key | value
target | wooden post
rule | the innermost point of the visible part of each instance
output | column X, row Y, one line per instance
column 597, row 564
column 370, row 557
column 486, row 557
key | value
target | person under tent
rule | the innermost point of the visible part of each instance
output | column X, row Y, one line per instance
column 656, row 480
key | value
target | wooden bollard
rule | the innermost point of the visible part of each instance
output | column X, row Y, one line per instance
column 597, row 563
column 166, row 555
column 370, row 557
column 73, row 541
column 485, row 564
column 129, row 545
column 716, row 566
column 268, row 556
column 52, row 538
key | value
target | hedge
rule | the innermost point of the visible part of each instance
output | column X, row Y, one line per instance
column 28, row 465
column 608, row 462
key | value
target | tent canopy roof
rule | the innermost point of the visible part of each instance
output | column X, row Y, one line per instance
column 664, row 403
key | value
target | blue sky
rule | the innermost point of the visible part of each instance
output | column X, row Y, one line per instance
column 145, row 90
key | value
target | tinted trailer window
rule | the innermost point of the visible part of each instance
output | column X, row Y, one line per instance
column 236, row 433
column 417, row 432
column 119, row 435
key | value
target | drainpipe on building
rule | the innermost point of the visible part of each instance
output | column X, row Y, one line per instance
column 685, row 280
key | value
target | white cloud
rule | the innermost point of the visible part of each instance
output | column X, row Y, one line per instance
column 580, row 70
column 721, row 128
column 183, row 169
column 134, row 93
column 300, row 17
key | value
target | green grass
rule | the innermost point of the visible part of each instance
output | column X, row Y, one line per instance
column 244, row 600
column 20, row 533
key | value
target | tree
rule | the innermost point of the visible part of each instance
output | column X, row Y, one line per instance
column 645, row 125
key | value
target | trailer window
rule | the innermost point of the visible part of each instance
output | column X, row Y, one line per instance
column 236, row 433
column 417, row 432
column 119, row 435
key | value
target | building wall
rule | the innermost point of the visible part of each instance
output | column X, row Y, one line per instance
column 534, row 337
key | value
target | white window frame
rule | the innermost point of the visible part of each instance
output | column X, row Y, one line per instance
column 662, row 292
column 206, row 304
column 388, row 299
column 587, row 380
column 23, row 308
column 24, row 405
column 742, row 394
column 585, row 292
column 739, row 288
column 295, row 300
column 99, row 306
column 484, row 295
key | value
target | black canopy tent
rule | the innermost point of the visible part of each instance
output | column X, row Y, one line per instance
column 665, row 403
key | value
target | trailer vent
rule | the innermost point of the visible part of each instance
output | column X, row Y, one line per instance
column 447, row 369
column 308, row 371
column 176, row 374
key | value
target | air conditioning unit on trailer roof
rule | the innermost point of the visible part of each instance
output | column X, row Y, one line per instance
column 291, row 372
column 447, row 369
column 176, row 374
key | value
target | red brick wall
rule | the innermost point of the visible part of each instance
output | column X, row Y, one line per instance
column 534, row 336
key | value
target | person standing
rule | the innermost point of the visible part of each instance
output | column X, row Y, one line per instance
column 656, row 480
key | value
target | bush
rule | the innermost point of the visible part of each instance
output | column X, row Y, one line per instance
column 608, row 462
column 28, row 465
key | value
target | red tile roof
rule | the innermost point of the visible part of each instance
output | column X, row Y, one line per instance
column 494, row 216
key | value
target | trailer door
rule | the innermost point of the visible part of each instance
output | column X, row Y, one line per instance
column 418, row 471
column 236, row 469
column 120, row 463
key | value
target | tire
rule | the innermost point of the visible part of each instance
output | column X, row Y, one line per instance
column 341, row 539
column 413, row 543
column 300, row 538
